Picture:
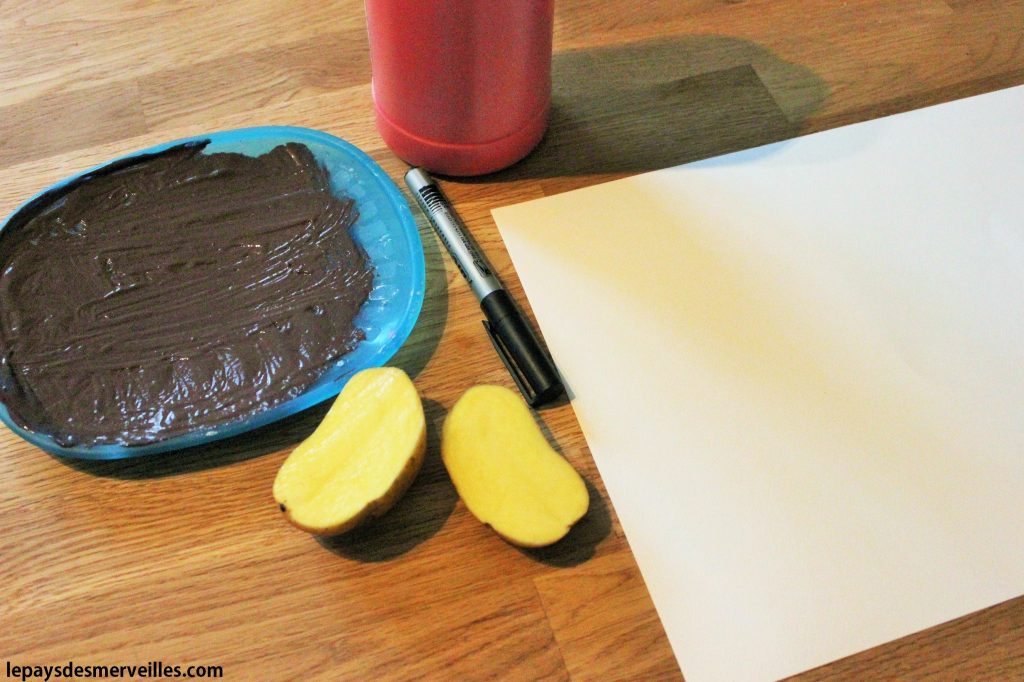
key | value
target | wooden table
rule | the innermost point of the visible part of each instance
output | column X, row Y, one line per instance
column 185, row 559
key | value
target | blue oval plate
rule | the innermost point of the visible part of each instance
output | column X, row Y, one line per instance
column 387, row 233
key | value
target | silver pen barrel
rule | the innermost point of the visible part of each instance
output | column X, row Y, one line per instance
column 452, row 232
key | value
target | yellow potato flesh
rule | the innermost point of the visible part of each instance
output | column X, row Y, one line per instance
column 361, row 458
column 505, row 471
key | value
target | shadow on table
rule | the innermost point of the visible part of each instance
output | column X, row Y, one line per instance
column 659, row 103
column 422, row 343
column 416, row 517
column 265, row 440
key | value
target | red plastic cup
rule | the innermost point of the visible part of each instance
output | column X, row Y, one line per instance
column 461, row 87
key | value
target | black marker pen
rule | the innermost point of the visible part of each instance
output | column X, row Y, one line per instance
column 531, row 368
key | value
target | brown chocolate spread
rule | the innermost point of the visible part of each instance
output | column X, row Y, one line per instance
column 175, row 291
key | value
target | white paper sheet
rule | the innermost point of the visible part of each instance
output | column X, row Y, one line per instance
column 800, row 370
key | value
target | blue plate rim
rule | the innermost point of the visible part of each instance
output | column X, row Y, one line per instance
column 322, row 391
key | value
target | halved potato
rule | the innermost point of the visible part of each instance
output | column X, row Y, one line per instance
column 360, row 460
column 505, row 471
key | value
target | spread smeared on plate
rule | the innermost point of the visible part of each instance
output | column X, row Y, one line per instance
column 175, row 291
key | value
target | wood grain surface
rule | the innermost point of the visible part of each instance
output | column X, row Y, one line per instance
column 184, row 558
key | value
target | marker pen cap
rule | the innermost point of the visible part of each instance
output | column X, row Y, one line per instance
column 461, row 87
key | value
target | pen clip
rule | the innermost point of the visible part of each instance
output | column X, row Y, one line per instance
column 510, row 364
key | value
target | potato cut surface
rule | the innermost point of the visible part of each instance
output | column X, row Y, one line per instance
column 361, row 458
column 506, row 472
